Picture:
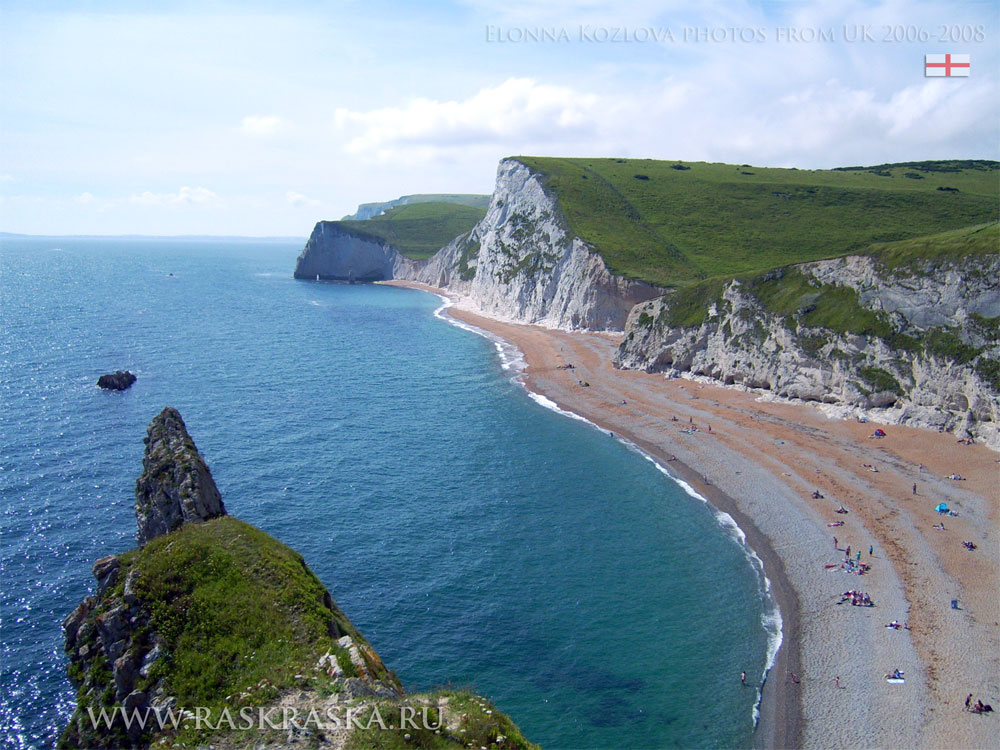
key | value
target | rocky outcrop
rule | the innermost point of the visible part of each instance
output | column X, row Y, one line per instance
column 116, row 381
column 112, row 651
column 212, row 621
column 923, row 352
column 176, row 486
column 521, row 262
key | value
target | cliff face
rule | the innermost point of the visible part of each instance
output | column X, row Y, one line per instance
column 521, row 262
column 215, row 632
column 917, row 344
column 176, row 486
column 333, row 253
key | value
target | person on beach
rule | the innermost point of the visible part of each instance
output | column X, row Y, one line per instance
column 836, row 681
column 871, row 549
column 914, row 488
column 968, row 699
column 848, row 550
column 743, row 679
column 835, row 542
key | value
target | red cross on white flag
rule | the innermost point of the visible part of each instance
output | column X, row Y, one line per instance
column 949, row 66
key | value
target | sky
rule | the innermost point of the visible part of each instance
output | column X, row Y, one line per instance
column 259, row 119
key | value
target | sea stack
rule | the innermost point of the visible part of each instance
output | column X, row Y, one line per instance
column 176, row 486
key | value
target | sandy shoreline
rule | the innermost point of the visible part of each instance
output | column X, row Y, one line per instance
column 760, row 461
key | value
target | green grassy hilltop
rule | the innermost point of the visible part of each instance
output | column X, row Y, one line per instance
column 676, row 223
column 418, row 230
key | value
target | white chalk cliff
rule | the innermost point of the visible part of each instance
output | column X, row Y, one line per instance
column 521, row 262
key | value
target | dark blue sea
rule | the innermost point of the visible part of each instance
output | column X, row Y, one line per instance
column 475, row 537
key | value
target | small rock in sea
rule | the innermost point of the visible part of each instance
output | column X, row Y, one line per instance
column 116, row 381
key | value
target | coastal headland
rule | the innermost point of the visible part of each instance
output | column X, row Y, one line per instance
column 815, row 352
column 782, row 470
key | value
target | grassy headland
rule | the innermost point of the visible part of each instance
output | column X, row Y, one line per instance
column 418, row 230
column 677, row 223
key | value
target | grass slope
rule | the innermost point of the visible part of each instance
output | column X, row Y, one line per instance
column 418, row 230
column 235, row 606
column 368, row 210
column 675, row 223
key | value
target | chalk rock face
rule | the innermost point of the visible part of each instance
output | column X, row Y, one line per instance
column 521, row 262
column 741, row 342
column 116, row 381
column 176, row 486
column 335, row 253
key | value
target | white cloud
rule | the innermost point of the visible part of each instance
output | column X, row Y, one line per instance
column 186, row 196
column 262, row 125
column 85, row 198
column 7, row 177
column 299, row 200
column 518, row 110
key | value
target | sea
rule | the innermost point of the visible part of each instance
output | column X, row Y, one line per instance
column 475, row 535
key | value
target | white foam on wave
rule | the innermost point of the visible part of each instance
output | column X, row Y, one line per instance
column 511, row 358
column 771, row 620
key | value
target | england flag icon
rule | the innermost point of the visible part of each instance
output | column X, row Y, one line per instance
column 947, row 66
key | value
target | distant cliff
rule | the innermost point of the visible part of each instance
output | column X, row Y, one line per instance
column 214, row 633
column 909, row 330
column 520, row 262
column 371, row 210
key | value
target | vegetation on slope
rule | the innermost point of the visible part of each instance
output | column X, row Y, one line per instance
column 800, row 301
column 675, row 224
column 418, row 230
column 235, row 607
column 368, row 210
column 242, row 621
column 479, row 725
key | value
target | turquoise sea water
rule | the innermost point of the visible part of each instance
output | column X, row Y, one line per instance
column 473, row 536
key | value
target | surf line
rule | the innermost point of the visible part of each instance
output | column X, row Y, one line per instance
column 511, row 358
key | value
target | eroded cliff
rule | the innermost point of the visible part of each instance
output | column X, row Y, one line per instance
column 912, row 342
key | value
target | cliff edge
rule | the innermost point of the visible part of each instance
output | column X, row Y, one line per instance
column 214, row 632
column 520, row 262
column 905, row 333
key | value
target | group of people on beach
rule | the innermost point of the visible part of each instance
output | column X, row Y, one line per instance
column 978, row 707
column 857, row 599
column 855, row 566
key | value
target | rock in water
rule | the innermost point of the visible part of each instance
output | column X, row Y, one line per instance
column 116, row 381
column 176, row 486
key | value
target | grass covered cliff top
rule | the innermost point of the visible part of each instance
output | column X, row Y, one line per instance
column 676, row 223
column 418, row 230
column 368, row 210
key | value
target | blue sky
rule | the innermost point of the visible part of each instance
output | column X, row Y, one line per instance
column 243, row 118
